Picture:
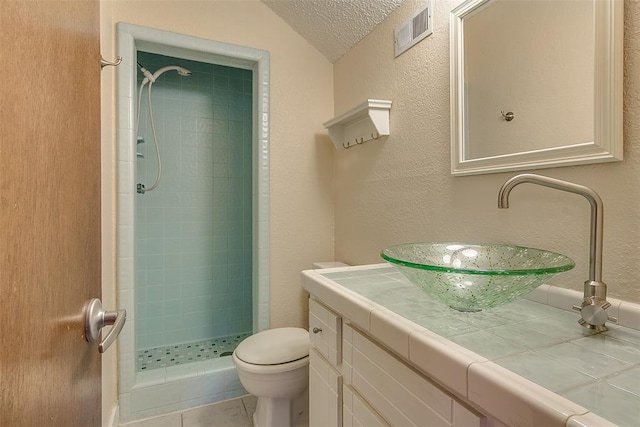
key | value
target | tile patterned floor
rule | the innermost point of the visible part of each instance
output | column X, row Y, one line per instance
column 161, row 357
column 229, row 413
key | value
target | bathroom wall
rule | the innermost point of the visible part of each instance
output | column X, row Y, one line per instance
column 301, row 82
column 301, row 174
column 401, row 189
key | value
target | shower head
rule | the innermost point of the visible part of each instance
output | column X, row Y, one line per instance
column 153, row 77
column 182, row 71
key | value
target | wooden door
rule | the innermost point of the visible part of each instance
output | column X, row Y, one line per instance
column 49, row 211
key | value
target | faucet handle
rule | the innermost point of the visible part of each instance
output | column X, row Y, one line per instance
column 593, row 313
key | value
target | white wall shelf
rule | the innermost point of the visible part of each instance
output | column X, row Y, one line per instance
column 367, row 121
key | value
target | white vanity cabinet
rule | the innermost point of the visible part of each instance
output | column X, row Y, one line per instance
column 399, row 393
column 357, row 413
column 325, row 378
column 374, row 363
column 325, row 392
column 353, row 381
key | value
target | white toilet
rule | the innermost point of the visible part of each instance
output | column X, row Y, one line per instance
column 273, row 365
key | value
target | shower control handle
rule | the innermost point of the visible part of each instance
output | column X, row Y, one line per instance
column 96, row 318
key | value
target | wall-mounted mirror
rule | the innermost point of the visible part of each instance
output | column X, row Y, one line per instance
column 535, row 84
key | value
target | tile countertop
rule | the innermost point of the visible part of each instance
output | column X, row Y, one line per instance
column 507, row 360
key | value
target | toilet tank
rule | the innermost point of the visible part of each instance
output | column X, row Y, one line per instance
column 329, row 264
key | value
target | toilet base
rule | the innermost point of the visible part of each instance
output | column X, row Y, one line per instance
column 272, row 412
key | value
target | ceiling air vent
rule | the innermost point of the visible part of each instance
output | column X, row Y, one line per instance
column 414, row 29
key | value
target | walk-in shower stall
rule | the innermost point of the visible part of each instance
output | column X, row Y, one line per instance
column 192, row 216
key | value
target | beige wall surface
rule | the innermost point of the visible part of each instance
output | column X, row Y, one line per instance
column 300, row 97
column 401, row 189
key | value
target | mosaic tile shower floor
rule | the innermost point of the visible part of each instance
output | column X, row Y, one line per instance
column 179, row 354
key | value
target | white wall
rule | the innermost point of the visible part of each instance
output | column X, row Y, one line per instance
column 401, row 189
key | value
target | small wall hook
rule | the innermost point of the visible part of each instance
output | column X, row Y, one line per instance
column 105, row 63
column 508, row 116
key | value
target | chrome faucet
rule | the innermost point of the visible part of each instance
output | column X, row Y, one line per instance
column 594, row 304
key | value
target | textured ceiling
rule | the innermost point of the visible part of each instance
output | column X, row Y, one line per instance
column 333, row 26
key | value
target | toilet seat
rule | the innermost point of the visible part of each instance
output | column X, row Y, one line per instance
column 269, row 369
column 274, row 366
column 275, row 347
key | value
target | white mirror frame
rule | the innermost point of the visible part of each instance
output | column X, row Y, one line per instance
column 607, row 144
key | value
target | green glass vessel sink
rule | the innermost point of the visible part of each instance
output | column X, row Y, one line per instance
column 472, row 277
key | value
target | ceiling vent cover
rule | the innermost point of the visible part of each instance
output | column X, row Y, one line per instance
column 414, row 29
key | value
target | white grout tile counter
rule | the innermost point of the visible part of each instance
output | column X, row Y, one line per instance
column 384, row 353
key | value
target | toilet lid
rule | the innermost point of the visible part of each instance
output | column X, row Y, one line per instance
column 274, row 346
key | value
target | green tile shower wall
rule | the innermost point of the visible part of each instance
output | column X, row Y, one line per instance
column 194, row 232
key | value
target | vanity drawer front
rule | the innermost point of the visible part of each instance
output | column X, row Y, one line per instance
column 326, row 331
column 325, row 393
column 357, row 413
column 401, row 395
